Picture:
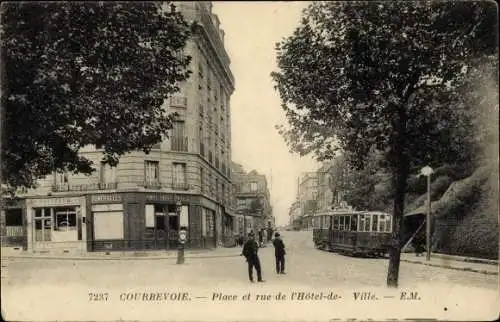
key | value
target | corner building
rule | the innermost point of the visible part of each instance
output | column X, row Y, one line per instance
column 183, row 182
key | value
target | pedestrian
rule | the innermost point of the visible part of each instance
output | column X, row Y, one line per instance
column 279, row 253
column 250, row 251
column 261, row 237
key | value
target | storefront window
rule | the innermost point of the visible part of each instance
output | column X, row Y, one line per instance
column 43, row 224
column 65, row 219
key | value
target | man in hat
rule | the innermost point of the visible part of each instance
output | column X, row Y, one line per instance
column 250, row 250
column 279, row 253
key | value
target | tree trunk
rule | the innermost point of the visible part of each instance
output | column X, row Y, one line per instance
column 401, row 167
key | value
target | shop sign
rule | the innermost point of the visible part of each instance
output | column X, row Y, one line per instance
column 106, row 198
column 52, row 202
column 172, row 198
column 208, row 203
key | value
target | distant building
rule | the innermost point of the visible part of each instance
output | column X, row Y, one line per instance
column 295, row 216
column 141, row 204
column 253, row 205
column 308, row 195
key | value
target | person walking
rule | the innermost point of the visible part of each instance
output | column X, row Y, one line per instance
column 250, row 251
column 279, row 254
column 261, row 237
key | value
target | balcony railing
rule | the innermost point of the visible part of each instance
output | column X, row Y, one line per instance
column 178, row 101
column 84, row 187
column 152, row 184
column 179, row 144
column 180, row 186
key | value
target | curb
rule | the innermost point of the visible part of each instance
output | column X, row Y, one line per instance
column 465, row 269
column 468, row 259
column 89, row 258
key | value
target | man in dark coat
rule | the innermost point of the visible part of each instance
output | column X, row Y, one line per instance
column 250, row 250
column 279, row 253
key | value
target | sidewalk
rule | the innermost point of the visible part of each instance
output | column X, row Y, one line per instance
column 9, row 252
column 478, row 265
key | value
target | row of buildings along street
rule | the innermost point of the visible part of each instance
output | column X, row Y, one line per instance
column 189, row 180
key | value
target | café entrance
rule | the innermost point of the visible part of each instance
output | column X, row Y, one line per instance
column 162, row 226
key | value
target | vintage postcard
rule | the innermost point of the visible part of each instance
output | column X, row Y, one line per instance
column 249, row 161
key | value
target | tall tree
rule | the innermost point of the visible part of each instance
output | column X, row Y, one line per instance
column 77, row 74
column 364, row 75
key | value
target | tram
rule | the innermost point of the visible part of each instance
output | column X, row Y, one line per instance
column 366, row 233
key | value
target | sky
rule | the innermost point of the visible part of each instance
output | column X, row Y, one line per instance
column 252, row 29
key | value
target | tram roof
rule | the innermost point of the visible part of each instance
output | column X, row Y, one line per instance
column 351, row 212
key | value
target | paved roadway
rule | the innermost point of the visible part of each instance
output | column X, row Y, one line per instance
column 41, row 281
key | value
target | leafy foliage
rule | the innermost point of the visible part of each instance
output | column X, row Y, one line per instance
column 389, row 76
column 352, row 72
column 77, row 74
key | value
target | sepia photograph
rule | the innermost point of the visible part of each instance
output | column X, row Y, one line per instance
column 249, row 161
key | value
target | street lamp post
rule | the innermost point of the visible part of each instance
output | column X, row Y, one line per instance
column 427, row 171
column 181, row 237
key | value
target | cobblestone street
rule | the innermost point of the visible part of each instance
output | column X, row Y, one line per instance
column 307, row 268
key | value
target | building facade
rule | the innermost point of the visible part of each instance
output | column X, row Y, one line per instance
column 295, row 218
column 253, row 201
column 308, row 197
column 183, row 182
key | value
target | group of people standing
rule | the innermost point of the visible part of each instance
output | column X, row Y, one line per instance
column 251, row 249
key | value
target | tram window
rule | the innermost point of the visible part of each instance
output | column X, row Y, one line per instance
column 367, row 222
column 374, row 222
column 361, row 222
column 336, row 223
column 381, row 223
column 388, row 226
column 341, row 226
column 354, row 223
column 347, row 223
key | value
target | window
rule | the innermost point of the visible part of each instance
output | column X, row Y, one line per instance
column 253, row 186
column 179, row 175
column 13, row 217
column 202, row 181
column 210, row 184
column 201, row 110
column 223, row 192
column 65, row 220
column 178, row 138
column 361, row 223
column 385, row 224
column 43, row 224
column 216, row 188
column 336, row 223
column 374, row 222
column 151, row 172
column 354, row 223
column 61, row 178
column 341, row 223
column 367, row 222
